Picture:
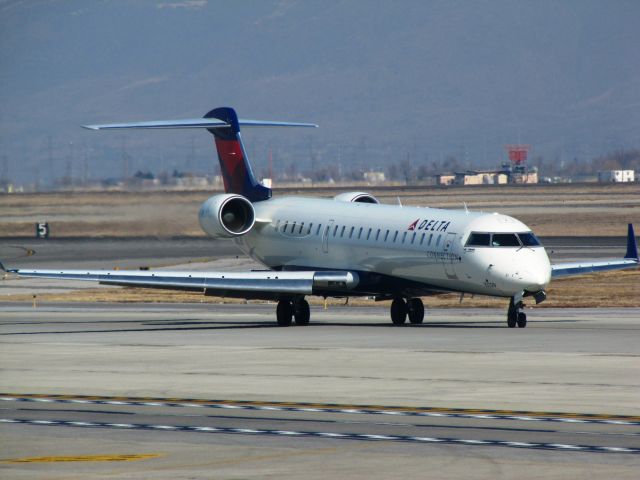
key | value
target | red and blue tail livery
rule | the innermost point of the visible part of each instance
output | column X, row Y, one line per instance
column 224, row 124
column 234, row 165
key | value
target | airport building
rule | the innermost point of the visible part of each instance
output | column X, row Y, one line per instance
column 616, row 176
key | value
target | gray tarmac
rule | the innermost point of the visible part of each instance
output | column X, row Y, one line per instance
column 460, row 396
column 571, row 361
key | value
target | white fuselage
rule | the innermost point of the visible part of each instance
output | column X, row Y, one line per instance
column 425, row 245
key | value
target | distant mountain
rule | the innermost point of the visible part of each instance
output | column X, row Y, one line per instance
column 385, row 80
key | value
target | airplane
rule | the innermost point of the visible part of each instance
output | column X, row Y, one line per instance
column 349, row 246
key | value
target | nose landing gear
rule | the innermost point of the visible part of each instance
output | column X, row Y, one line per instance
column 515, row 316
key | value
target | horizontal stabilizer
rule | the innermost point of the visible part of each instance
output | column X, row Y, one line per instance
column 208, row 123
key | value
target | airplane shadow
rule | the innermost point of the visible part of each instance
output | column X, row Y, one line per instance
column 194, row 325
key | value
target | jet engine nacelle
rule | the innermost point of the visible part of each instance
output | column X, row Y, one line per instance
column 359, row 197
column 227, row 215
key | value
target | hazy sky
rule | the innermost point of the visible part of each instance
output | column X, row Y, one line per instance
column 384, row 80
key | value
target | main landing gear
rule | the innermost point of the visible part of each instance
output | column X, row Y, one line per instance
column 412, row 308
column 515, row 316
column 289, row 309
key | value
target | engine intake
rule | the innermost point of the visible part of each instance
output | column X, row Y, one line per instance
column 226, row 216
column 356, row 197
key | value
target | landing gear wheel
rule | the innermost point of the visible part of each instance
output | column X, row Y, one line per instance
column 284, row 313
column 522, row 320
column 301, row 312
column 415, row 309
column 512, row 320
column 398, row 311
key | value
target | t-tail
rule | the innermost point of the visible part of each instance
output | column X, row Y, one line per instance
column 224, row 124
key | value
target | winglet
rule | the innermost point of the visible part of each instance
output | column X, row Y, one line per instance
column 2, row 267
column 632, row 246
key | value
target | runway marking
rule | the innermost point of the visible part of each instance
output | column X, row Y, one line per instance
column 331, row 408
column 85, row 458
column 331, row 435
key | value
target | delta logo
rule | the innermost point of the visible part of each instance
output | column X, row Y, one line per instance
column 429, row 225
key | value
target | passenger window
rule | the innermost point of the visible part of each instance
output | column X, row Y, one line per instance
column 335, row 230
column 368, row 234
column 284, row 227
column 404, row 237
column 342, row 231
column 309, row 229
column 395, row 236
column 422, row 239
column 377, row 235
column 293, row 227
column 430, row 238
column 504, row 240
column 438, row 240
column 301, row 227
column 318, row 229
column 351, row 232
column 413, row 239
column 386, row 236
column 479, row 240
column 360, row 233
column 528, row 239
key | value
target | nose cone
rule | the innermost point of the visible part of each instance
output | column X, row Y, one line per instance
column 534, row 280
column 534, row 272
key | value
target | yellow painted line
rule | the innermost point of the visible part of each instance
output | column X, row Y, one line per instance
column 257, row 403
column 85, row 458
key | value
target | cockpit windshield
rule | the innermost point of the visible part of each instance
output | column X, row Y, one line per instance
column 487, row 239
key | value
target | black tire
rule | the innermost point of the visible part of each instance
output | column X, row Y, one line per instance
column 512, row 319
column 415, row 312
column 522, row 320
column 398, row 311
column 301, row 312
column 284, row 313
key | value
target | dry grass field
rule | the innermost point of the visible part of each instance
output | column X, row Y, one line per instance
column 550, row 210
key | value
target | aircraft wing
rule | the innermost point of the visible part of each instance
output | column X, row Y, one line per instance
column 630, row 260
column 256, row 284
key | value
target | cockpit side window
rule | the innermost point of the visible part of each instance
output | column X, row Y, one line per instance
column 528, row 239
column 504, row 240
column 479, row 240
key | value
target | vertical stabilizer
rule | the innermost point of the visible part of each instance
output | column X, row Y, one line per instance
column 234, row 164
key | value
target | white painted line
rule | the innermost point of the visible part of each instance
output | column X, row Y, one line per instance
column 8, row 420
column 205, row 429
column 287, row 432
column 43, row 422
column 120, row 425
column 329, row 434
column 426, row 439
column 478, row 442
column 164, row 427
column 247, row 430
column 377, row 437
column 561, row 445
column 82, row 424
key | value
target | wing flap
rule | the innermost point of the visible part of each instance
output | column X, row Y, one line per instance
column 580, row 268
column 251, row 283
column 630, row 260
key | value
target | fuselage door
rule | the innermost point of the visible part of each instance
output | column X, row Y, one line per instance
column 450, row 255
column 325, row 236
